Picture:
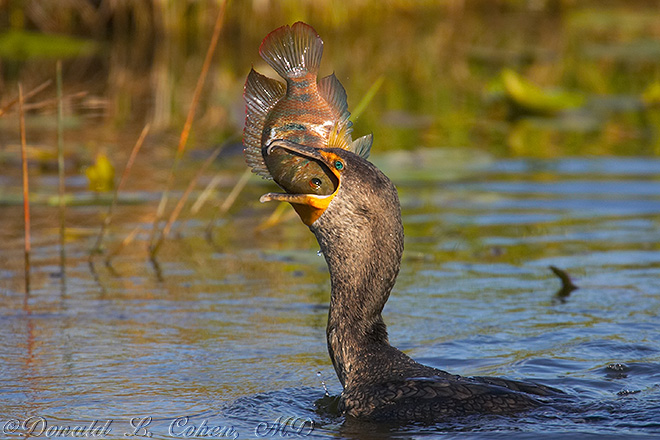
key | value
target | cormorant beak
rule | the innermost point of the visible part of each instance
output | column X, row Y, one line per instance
column 308, row 206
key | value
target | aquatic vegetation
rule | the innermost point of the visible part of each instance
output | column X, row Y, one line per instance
column 24, row 45
column 489, row 204
column 529, row 98
column 651, row 96
column 101, row 174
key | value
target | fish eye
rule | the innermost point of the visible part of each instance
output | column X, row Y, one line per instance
column 315, row 182
column 339, row 165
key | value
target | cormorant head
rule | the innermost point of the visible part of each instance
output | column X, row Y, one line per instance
column 357, row 187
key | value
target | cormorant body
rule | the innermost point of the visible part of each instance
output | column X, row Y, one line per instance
column 360, row 233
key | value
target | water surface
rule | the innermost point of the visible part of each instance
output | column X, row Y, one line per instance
column 231, row 333
column 225, row 337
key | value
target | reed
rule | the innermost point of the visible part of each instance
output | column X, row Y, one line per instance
column 115, row 197
column 185, row 133
column 366, row 99
column 125, row 242
column 205, row 194
column 60, row 167
column 279, row 215
column 26, row 194
column 7, row 107
column 229, row 201
column 182, row 201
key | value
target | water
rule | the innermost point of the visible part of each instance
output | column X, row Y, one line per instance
column 226, row 338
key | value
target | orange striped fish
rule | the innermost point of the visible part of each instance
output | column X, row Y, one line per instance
column 303, row 111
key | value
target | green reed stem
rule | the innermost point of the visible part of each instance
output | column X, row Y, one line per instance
column 366, row 99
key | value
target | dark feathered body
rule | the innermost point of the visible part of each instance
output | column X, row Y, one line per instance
column 361, row 237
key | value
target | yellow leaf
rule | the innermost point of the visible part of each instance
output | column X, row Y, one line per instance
column 101, row 175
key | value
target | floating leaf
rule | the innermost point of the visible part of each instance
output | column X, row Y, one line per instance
column 530, row 98
column 101, row 175
column 651, row 95
column 23, row 45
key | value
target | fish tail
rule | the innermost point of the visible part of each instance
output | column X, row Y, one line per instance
column 293, row 51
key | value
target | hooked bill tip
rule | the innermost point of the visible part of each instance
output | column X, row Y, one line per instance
column 265, row 198
column 272, row 197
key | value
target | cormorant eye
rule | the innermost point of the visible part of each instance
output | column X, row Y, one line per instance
column 315, row 183
column 339, row 165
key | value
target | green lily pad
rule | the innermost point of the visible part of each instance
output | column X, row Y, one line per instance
column 101, row 174
column 651, row 96
column 22, row 45
column 530, row 98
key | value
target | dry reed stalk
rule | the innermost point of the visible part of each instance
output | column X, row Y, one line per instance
column 26, row 195
column 236, row 190
column 125, row 242
column 179, row 206
column 115, row 196
column 46, row 103
column 279, row 215
column 229, row 201
column 60, row 165
column 28, row 95
column 185, row 133
column 205, row 194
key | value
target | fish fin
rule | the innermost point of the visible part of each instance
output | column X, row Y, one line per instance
column 340, row 135
column 293, row 51
column 335, row 95
column 261, row 94
column 362, row 146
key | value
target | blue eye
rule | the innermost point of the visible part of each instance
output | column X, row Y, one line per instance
column 339, row 165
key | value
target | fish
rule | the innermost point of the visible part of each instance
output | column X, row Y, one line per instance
column 303, row 110
column 297, row 174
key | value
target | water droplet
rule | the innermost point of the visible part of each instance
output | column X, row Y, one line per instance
column 319, row 253
column 327, row 393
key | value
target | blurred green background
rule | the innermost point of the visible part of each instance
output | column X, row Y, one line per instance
column 513, row 77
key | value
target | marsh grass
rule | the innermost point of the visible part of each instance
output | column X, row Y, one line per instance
column 422, row 69
column 61, row 187
column 228, row 201
column 41, row 87
column 186, row 194
column 157, row 238
column 26, row 188
column 98, row 246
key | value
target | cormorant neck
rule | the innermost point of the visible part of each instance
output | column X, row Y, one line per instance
column 363, row 251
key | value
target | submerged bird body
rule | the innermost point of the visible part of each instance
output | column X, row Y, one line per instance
column 302, row 110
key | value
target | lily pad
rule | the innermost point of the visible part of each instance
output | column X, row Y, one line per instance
column 651, row 96
column 101, row 174
column 530, row 98
column 22, row 45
